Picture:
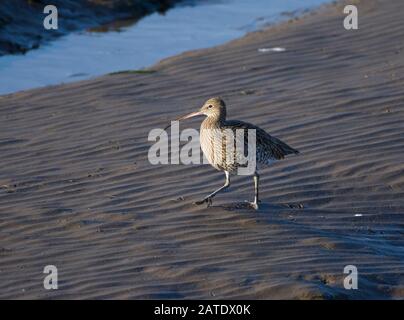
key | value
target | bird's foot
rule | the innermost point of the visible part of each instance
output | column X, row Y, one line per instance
column 253, row 205
column 208, row 201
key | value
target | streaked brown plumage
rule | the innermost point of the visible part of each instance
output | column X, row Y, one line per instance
column 216, row 131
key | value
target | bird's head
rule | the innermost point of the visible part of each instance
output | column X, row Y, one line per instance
column 214, row 108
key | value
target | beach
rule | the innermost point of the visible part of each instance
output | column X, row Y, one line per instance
column 77, row 190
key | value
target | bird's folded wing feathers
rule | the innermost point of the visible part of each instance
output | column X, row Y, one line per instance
column 272, row 146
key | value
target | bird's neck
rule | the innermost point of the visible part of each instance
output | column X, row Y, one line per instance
column 214, row 121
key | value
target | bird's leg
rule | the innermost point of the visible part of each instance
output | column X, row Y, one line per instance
column 208, row 199
column 256, row 188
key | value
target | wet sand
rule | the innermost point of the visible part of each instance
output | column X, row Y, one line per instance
column 77, row 190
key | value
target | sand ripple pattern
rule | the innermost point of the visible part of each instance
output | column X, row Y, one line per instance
column 77, row 191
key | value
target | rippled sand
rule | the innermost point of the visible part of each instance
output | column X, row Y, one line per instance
column 78, row 192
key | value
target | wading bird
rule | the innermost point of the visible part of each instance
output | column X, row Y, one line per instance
column 215, row 142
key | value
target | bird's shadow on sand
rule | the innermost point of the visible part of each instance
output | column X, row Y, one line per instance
column 263, row 207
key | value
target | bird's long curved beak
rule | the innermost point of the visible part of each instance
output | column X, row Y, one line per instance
column 187, row 116
column 190, row 115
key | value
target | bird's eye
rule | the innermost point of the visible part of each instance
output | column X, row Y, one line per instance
column 210, row 106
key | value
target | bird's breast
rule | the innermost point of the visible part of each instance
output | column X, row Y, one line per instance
column 211, row 146
column 222, row 149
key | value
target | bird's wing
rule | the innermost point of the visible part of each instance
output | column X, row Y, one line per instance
column 272, row 146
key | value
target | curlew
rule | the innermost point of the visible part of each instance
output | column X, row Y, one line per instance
column 214, row 134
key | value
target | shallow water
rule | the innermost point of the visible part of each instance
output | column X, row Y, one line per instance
column 83, row 55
